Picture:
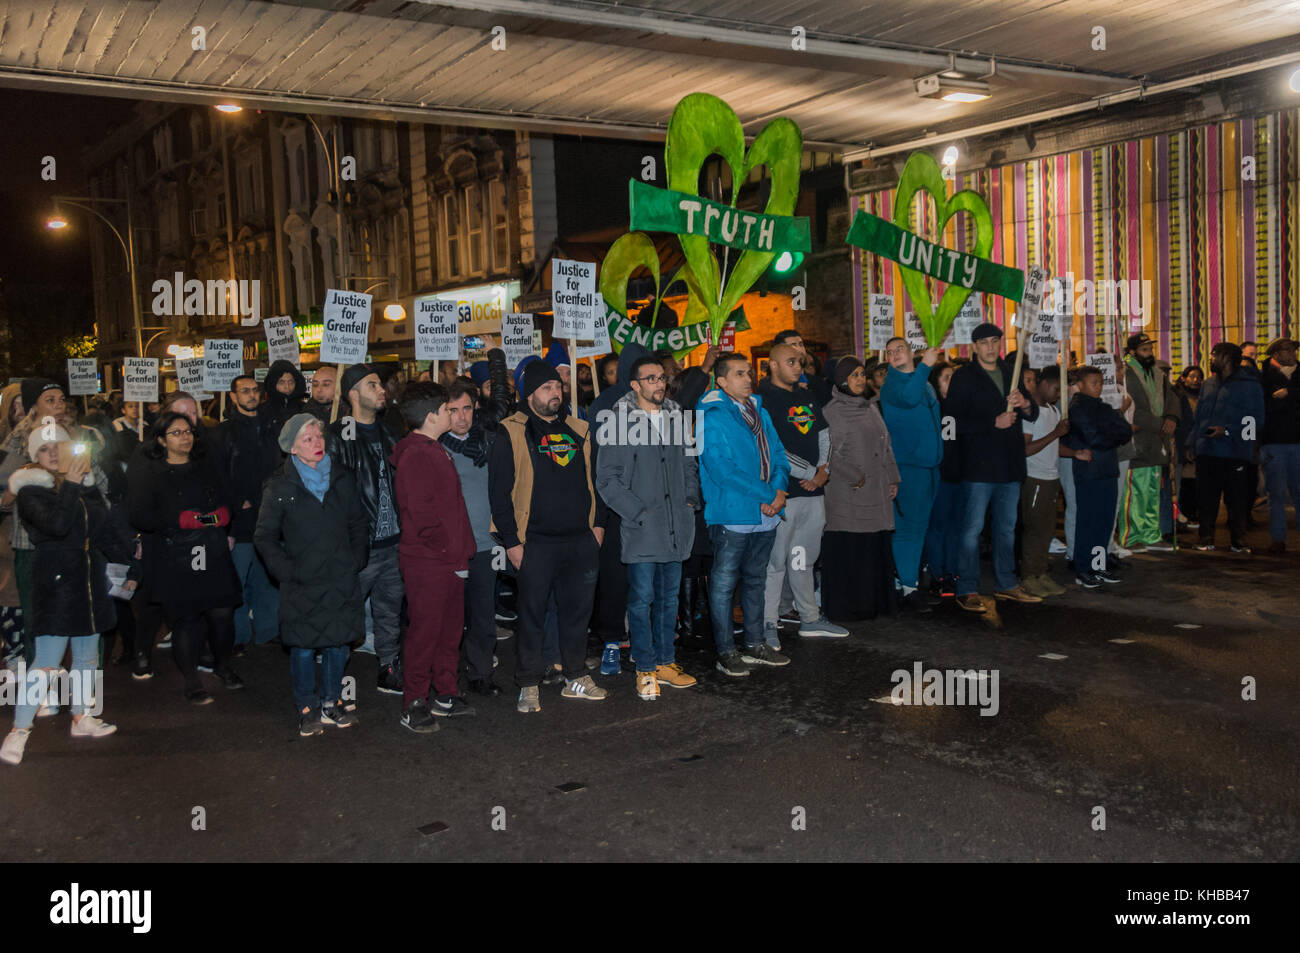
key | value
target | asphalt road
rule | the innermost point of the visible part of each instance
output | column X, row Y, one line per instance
column 1143, row 717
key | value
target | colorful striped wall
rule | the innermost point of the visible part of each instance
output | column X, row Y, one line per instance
column 1220, row 249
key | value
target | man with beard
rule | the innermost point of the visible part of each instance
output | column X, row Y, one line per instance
column 1155, row 418
column 361, row 444
column 321, row 403
column 1228, row 417
column 1280, row 445
column 646, row 474
column 551, row 522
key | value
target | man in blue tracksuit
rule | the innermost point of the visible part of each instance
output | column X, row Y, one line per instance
column 1229, row 419
column 911, row 413
column 743, row 475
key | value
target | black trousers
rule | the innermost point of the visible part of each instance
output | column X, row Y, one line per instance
column 568, row 566
column 1226, row 477
column 216, row 627
column 480, row 639
column 611, row 587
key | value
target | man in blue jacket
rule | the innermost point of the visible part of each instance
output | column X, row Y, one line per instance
column 1229, row 416
column 743, row 476
column 911, row 413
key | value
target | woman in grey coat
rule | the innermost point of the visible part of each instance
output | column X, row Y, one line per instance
column 857, row 565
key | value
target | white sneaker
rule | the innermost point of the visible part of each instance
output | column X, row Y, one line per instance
column 88, row 726
column 528, row 700
column 11, row 752
column 1056, row 547
column 1120, row 552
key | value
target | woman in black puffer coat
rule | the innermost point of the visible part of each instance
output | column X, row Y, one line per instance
column 74, row 535
column 184, row 500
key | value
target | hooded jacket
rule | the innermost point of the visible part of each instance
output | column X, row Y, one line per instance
column 1096, row 426
column 1236, row 405
column 651, row 479
column 435, row 522
column 76, row 536
column 248, row 451
column 911, row 412
column 729, row 462
column 279, row 407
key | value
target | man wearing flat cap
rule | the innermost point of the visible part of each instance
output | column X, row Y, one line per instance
column 988, row 412
column 1279, row 453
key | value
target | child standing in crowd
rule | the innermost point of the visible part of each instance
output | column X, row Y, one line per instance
column 1097, row 431
column 436, row 547
column 1039, row 491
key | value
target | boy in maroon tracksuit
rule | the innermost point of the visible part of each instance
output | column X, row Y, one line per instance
column 436, row 546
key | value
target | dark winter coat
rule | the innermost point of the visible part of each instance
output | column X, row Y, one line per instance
column 1096, row 426
column 315, row 549
column 367, row 461
column 1236, row 405
column 1281, row 414
column 157, row 495
column 988, row 455
column 248, row 451
column 76, row 536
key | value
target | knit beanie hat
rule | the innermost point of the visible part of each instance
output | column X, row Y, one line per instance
column 289, row 432
column 535, row 375
column 844, row 367
column 39, row 438
column 33, row 388
column 353, row 376
column 479, row 372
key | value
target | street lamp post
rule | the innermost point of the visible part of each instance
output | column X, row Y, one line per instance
column 230, row 216
column 336, row 184
column 127, row 243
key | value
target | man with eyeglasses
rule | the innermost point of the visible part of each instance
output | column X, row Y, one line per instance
column 648, row 475
column 248, row 452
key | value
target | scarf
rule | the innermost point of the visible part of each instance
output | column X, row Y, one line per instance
column 474, row 444
column 315, row 479
column 1155, row 393
column 750, row 413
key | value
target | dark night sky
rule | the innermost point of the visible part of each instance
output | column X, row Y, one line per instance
column 37, row 125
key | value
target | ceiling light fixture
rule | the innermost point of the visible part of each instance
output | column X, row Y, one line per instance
column 940, row 86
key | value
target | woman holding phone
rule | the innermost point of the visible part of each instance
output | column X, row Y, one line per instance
column 186, row 502
column 74, row 535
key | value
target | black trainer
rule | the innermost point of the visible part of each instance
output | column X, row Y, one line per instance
column 1105, row 575
column 230, row 678
column 1087, row 579
column 336, row 716
column 390, row 679
column 554, row 676
column 485, row 687
column 206, row 663
column 198, row 697
column 917, row 601
column 417, row 718
column 309, row 723
column 141, row 669
column 449, row 706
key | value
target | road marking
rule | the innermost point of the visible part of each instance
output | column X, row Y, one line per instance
column 886, row 700
column 1053, row 656
column 437, row 827
column 1122, row 641
column 1187, row 625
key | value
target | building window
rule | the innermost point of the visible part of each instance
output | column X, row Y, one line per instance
column 199, row 217
column 500, row 225
column 451, row 226
column 474, row 221
column 221, row 210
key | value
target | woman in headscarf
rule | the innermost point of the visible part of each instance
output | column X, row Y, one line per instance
column 857, row 567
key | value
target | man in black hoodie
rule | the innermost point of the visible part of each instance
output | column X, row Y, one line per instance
column 992, row 453
column 286, row 393
column 246, row 448
column 547, row 515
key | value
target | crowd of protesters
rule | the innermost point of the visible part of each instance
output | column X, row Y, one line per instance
column 650, row 508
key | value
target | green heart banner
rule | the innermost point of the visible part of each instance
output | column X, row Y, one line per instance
column 663, row 210
column 919, row 259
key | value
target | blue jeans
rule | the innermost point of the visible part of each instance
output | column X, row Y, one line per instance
column 652, row 612
column 302, row 669
column 738, row 558
column 49, row 655
column 943, row 538
column 260, row 597
column 1004, row 499
column 1281, row 463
